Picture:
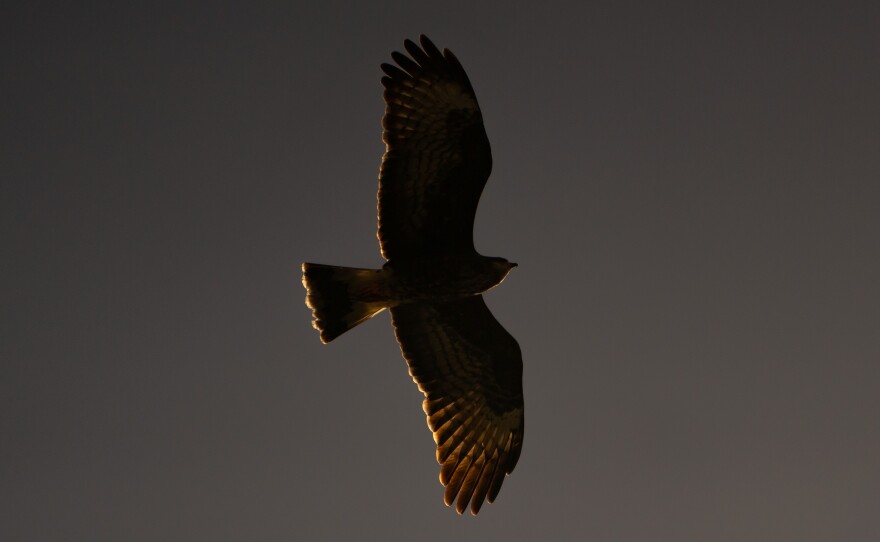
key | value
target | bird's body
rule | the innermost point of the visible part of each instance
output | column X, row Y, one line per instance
column 444, row 278
column 435, row 279
column 470, row 369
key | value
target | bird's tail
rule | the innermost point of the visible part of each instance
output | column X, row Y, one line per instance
column 342, row 297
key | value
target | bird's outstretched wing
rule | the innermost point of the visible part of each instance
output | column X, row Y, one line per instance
column 470, row 370
column 437, row 158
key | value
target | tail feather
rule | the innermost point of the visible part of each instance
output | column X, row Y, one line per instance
column 341, row 297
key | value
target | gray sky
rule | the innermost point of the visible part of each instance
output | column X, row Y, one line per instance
column 691, row 193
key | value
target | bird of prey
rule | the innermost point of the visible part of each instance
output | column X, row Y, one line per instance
column 436, row 162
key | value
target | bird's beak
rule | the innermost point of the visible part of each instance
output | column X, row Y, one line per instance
column 513, row 264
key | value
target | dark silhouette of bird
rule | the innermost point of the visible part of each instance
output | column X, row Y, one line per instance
column 435, row 166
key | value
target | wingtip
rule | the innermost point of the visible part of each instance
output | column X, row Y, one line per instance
column 447, row 500
column 428, row 45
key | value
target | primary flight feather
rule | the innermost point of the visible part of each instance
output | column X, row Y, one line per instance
column 436, row 163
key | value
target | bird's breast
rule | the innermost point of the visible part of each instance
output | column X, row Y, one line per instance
column 439, row 279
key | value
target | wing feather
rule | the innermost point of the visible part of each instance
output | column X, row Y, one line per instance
column 470, row 370
column 485, row 479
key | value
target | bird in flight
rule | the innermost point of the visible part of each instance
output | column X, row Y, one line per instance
column 436, row 163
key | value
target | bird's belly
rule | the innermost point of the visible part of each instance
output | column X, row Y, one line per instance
column 437, row 284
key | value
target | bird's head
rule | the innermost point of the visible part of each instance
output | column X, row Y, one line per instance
column 502, row 267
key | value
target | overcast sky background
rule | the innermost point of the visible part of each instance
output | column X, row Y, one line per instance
column 691, row 192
